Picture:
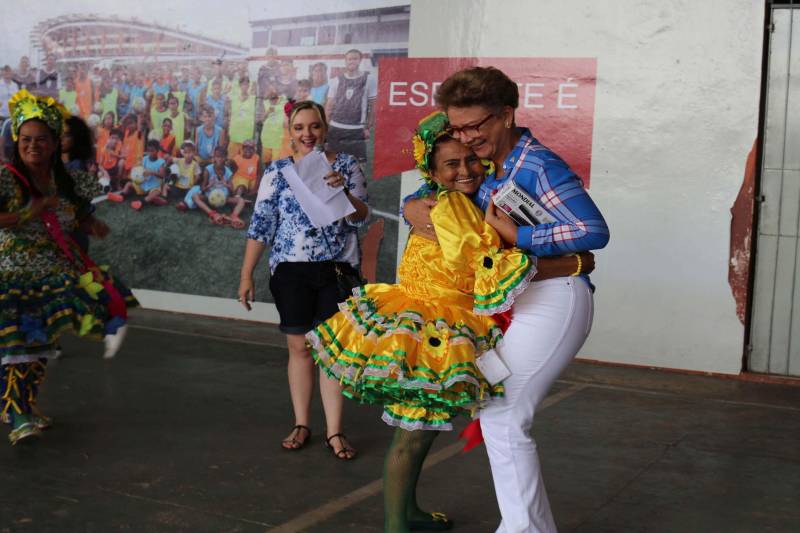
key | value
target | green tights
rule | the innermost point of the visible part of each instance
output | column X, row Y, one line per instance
column 402, row 468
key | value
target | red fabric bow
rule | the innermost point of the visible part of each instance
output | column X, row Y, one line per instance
column 288, row 106
column 472, row 434
column 503, row 320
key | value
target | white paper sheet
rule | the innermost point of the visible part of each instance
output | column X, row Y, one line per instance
column 320, row 212
column 312, row 169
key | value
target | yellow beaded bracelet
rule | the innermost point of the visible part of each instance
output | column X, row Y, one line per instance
column 580, row 265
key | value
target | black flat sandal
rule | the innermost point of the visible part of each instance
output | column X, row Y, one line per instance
column 343, row 453
column 293, row 442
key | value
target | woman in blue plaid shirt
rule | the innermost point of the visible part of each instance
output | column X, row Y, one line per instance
column 552, row 319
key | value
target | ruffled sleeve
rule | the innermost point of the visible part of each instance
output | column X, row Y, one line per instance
column 469, row 243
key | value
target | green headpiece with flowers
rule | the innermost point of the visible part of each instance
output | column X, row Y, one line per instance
column 24, row 106
column 428, row 130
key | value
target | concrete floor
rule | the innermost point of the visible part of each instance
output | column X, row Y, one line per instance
column 181, row 433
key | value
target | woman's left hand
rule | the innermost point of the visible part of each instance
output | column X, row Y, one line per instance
column 334, row 179
column 502, row 223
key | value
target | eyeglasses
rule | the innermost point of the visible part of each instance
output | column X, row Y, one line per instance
column 470, row 130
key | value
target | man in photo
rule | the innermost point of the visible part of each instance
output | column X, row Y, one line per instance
column 350, row 108
column 47, row 82
column 25, row 76
column 7, row 89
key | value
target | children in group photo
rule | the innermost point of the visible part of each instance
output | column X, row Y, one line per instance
column 186, row 171
column 245, row 177
column 147, row 181
column 159, row 133
column 215, row 192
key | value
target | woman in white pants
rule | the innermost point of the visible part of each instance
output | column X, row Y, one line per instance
column 550, row 322
column 552, row 318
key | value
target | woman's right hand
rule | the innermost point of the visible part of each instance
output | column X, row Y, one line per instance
column 247, row 291
column 417, row 212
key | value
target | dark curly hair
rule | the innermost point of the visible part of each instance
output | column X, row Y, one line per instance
column 82, row 140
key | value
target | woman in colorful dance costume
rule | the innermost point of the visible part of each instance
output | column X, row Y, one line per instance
column 48, row 285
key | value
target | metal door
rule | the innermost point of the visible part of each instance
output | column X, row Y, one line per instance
column 775, row 319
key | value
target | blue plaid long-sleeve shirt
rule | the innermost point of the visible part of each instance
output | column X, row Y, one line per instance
column 545, row 176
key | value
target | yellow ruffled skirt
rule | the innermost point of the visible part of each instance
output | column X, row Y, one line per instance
column 391, row 345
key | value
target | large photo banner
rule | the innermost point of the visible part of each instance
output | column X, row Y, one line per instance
column 176, row 95
column 556, row 100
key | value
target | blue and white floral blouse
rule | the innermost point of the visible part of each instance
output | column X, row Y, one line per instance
column 279, row 222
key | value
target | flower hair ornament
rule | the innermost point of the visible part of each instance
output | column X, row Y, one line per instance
column 288, row 106
column 428, row 130
column 24, row 106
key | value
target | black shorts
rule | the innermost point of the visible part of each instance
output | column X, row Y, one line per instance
column 306, row 294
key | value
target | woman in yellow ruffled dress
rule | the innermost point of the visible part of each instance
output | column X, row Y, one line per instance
column 412, row 346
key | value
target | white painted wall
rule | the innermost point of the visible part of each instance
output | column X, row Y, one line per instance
column 675, row 117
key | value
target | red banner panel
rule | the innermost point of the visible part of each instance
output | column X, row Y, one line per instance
column 556, row 101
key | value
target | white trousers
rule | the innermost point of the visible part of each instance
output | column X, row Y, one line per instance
column 551, row 320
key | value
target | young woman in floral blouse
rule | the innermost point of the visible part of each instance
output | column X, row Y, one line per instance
column 303, row 260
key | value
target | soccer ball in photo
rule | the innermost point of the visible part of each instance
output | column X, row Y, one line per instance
column 138, row 104
column 137, row 175
column 173, row 174
column 93, row 121
column 216, row 198
column 105, row 184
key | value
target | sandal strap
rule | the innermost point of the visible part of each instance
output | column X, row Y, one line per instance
column 341, row 436
column 301, row 426
column 297, row 429
column 343, row 441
